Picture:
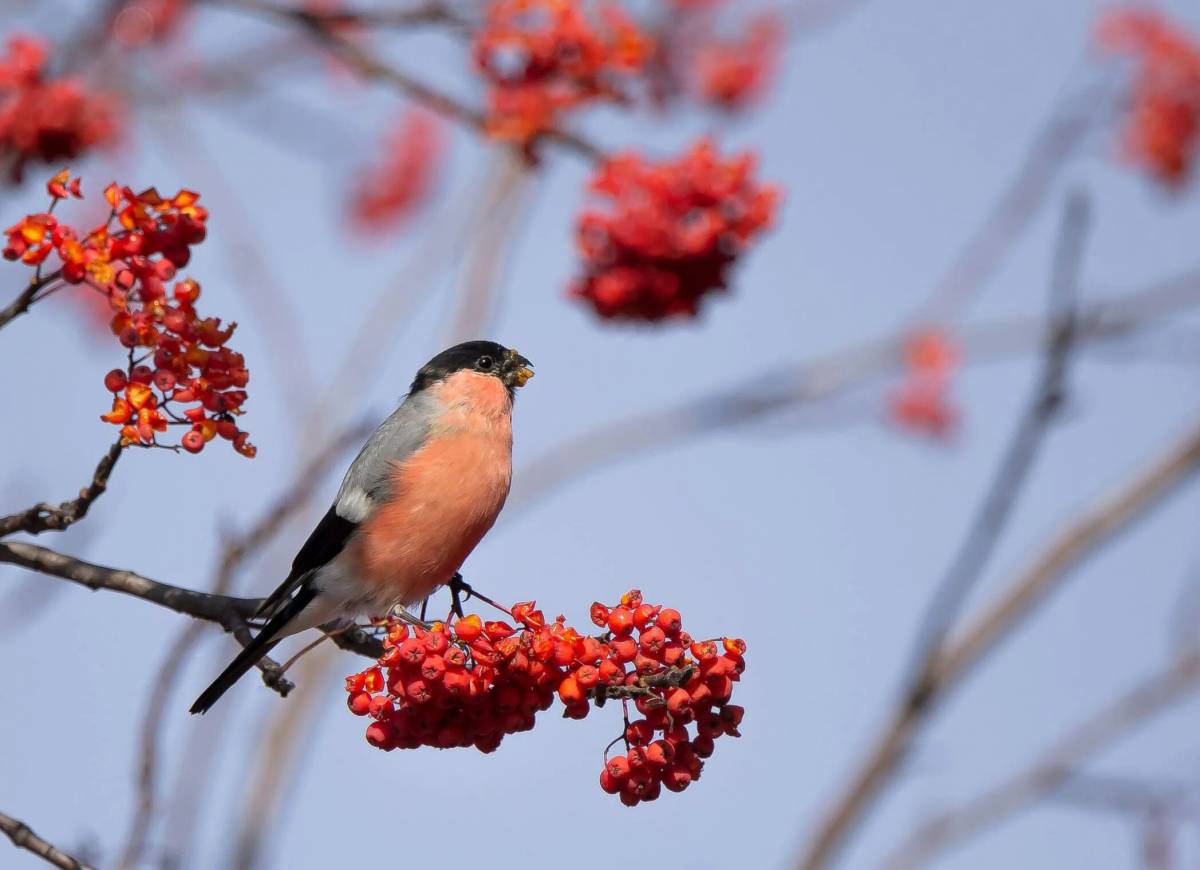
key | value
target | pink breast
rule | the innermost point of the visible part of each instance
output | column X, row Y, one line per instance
column 446, row 497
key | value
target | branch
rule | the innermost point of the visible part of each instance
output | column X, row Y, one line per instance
column 371, row 67
column 226, row 611
column 821, row 378
column 1056, row 767
column 23, row 837
column 1117, row 512
column 46, row 517
column 22, row 303
column 1012, row 473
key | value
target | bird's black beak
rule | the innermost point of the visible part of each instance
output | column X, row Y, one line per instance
column 517, row 369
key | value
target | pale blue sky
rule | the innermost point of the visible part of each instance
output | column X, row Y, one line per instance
column 892, row 134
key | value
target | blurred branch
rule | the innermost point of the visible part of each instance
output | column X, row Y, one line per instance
column 486, row 257
column 1018, row 460
column 1116, row 512
column 27, row 297
column 23, row 837
column 273, row 305
column 1056, row 767
column 234, row 553
column 1020, row 201
column 226, row 611
column 811, row 16
column 371, row 67
column 46, row 517
column 818, row 379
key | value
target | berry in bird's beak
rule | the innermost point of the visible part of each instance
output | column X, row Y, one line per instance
column 517, row 369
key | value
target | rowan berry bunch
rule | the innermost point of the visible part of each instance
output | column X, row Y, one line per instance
column 474, row 682
column 922, row 401
column 44, row 119
column 544, row 57
column 732, row 73
column 671, row 232
column 394, row 189
column 1162, row 132
column 175, row 358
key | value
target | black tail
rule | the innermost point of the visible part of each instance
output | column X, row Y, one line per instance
column 255, row 650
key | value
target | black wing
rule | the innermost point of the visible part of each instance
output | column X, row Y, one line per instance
column 325, row 542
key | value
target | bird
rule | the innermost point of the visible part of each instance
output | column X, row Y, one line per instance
column 421, row 494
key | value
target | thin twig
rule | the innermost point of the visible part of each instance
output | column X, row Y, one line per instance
column 234, row 554
column 979, row 258
column 47, row 517
column 23, row 837
column 818, row 379
column 1056, row 767
column 371, row 67
column 227, row 611
column 26, row 298
column 1080, row 539
column 1018, row 460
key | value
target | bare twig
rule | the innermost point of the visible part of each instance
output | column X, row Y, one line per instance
column 23, row 837
column 234, row 553
column 1056, row 767
column 46, row 517
column 487, row 253
column 229, row 612
column 985, row 249
column 1118, row 511
column 1018, row 460
column 371, row 67
column 823, row 377
column 27, row 297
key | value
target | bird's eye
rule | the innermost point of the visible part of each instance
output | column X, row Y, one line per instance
column 485, row 362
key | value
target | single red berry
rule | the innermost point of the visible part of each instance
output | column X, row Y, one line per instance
column 678, row 701
column 618, row 767
column 115, row 381
column 193, row 441
column 660, row 753
column 669, row 621
column 359, row 703
column 652, row 641
column 469, row 628
column 599, row 614
column 620, row 621
column 643, row 615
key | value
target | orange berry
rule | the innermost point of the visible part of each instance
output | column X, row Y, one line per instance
column 620, row 621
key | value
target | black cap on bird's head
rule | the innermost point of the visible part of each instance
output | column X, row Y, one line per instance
column 484, row 357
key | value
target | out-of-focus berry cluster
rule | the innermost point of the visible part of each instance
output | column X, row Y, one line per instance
column 732, row 73
column 1162, row 132
column 44, row 119
column 390, row 192
column 544, row 57
column 670, row 233
column 922, row 401
column 473, row 683
column 175, row 357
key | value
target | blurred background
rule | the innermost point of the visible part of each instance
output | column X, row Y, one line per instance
column 782, row 466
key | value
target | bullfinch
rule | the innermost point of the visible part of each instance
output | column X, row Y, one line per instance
column 418, row 498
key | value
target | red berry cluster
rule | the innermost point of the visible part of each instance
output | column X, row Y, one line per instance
column 129, row 259
column 680, row 682
column 469, row 685
column 543, row 57
column 394, row 190
column 472, row 683
column 671, row 233
column 46, row 119
column 732, row 74
column 1163, row 130
column 922, row 401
